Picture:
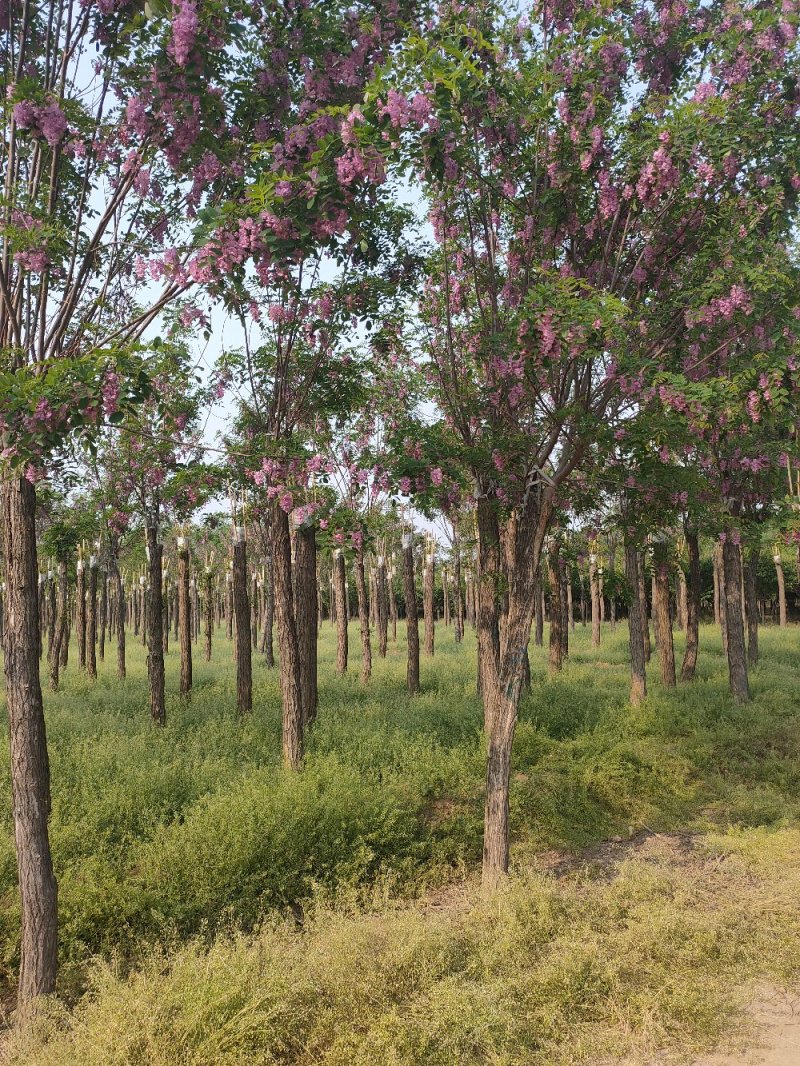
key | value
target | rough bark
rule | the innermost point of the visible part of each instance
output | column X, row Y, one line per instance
column 340, row 592
column 288, row 646
column 305, row 610
column 30, row 769
column 663, row 624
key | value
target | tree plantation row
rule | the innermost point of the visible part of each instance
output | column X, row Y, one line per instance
column 532, row 274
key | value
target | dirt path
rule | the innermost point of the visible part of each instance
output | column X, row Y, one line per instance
column 777, row 1020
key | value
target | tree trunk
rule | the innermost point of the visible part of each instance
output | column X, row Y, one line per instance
column 120, row 623
column 80, row 613
column 155, row 625
column 663, row 623
column 458, row 599
column 241, row 609
column 30, row 770
column 288, row 646
column 692, row 608
column 781, row 590
column 556, row 648
column 563, row 585
column 737, row 655
column 340, row 591
column 209, row 597
column 305, row 612
column 382, row 606
column 363, row 616
column 184, row 621
column 103, row 608
column 269, row 614
column 723, row 614
column 751, row 601
column 594, row 585
column 428, row 578
column 60, row 634
column 412, row 621
column 538, row 594
column 510, row 571
column 641, row 590
column 635, row 628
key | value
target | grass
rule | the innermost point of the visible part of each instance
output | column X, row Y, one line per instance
column 223, row 911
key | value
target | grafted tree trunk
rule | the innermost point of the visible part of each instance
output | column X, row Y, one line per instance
column 751, row 601
column 30, row 770
column 292, row 719
column 663, row 623
column 184, row 619
column 556, row 648
column 732, row 585
column 723, row 614
column 305, row 610
column 363, row 616
column 635, row 628
column 340, row 592
column 241, row 609
column 692, row 607
column 412, row 621
column 155, row 625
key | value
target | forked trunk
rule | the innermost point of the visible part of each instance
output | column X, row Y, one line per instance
column 30, row 770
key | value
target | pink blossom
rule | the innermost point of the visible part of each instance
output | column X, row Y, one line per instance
column 185, row 24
